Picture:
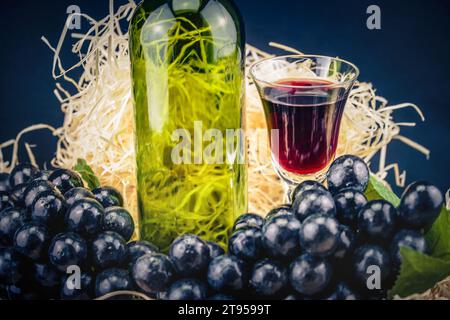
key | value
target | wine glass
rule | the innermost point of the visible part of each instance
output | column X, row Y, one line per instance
column 304, row 98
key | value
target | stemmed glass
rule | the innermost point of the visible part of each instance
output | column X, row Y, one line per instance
column 304, row 97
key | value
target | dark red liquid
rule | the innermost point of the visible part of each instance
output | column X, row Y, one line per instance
column 308, row 122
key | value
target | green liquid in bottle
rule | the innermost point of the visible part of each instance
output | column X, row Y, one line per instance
column 188, row 77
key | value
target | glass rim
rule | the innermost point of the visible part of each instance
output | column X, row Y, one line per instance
column 305, row 56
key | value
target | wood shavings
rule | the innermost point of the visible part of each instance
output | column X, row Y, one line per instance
column 99, row 122
column 7, row 166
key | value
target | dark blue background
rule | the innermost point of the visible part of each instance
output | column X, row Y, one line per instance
column 408, row 60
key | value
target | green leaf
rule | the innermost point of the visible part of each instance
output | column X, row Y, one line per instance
column 376, row 190
column 87, row 174
column 438, row 237
column 418, row 273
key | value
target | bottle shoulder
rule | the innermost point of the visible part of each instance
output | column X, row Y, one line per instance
column 164, row 9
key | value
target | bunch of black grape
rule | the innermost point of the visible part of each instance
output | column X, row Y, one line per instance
column 328, row 244
column 51, row 227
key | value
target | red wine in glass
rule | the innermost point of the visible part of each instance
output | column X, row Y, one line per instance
column 307, row 114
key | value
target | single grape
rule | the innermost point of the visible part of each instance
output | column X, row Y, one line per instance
column 10, row 221
column 319, row 235
column 348, row 172
column 227, row 274
column 108, row 249
column 420, row 205
column 313, row 202
column 309, row 275
column 21, row 174
column 65, row 180
column 67, row 249
column 85, row 217
column 246, row 244
column 112, row 280
column 31, row 240
column 377, row 220
column 153, row 273
column 281, row 237
column 410, row 239
column 119, row 220
column 187, row 289
column 348, row 204
column 268, row 278
column 346, row 242
column 69, row 290
column 366, row 259
column 77, row 194
column 190, row 255
column 137, row 249
column 33, row 189
column 305, row 186
column 108, row 197
column 48, row 209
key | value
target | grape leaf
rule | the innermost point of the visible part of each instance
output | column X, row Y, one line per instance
column 377, row 191
column 418, row 273
column 87, row 174
column 438, row 237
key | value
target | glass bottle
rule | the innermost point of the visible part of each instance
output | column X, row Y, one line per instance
column 188, row 70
